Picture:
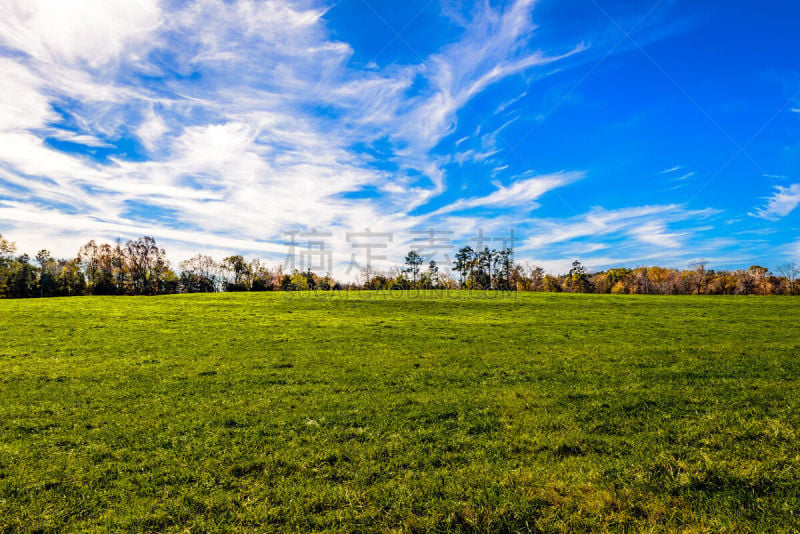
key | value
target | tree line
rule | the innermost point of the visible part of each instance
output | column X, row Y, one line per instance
column 140, row 267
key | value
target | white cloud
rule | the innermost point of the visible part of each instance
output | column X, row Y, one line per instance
column 80, row 139
column 656, row 234
column 794, row 251
column 24, row 104
column 152, row 129
column 38, row 224
column 236, row 149
column 595, row 223
column 520, row 193
column 646, row 224
column 493, row 47
column 671, row 169
column 781, row 203
column 235, row 152
column 90, row 31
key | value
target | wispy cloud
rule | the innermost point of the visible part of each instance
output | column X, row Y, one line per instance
column 223, row 99
column 520, row 193
column 655, row 233
column 598, row 222
column 641, row 235
column 780, row 204
column 671, row 169
column 221, row 124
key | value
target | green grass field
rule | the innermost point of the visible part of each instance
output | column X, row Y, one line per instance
column 265, row 412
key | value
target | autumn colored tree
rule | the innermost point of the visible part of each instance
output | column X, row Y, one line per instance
column 536, row 278
column 141, row 267
column 759, row 275
column 578, row 281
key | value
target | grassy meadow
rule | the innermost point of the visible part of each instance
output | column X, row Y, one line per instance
column 270, row 412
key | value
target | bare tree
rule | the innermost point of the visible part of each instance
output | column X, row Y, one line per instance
column 200, row 274
column 791, row 271
column 366, row 274
column 699, row 276
column 7, row 248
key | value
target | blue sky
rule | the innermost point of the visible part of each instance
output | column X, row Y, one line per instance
column 620, row 133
